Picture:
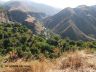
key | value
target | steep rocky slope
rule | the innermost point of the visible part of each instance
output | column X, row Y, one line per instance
column 3, row 15
column 76, row 23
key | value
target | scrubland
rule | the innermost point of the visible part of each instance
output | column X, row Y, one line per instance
column 78, row 61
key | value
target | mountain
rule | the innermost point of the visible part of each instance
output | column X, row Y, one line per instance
column 76, row 23
column 29, row 6
column 30, row 22
column 28, row 13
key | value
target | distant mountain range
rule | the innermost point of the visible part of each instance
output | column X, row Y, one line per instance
column 24, row 12
column 29, row 6
column 76, row 23
column 19, row 11
column 28, row 13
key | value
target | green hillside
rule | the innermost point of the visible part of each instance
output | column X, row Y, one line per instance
column 21, row 41
column 17, row 38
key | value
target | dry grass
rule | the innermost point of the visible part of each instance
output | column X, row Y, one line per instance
column 78, row 61
column 72, row 61
column 33, row 66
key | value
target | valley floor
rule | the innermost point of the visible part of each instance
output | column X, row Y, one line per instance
column 79, row 61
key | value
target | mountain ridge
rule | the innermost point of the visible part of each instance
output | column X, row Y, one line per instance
column 30, row 6
column 84, row 20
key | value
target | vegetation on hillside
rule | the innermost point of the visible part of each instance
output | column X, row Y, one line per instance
column 30, row 47
column 20, row 42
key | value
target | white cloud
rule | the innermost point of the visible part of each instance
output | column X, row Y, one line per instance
column 4, row 0
column 65, row 3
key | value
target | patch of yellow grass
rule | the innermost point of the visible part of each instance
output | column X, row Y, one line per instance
column 33, row 66
column 78, row 61
column 72, row 61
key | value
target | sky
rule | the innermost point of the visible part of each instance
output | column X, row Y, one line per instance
column 64, row 3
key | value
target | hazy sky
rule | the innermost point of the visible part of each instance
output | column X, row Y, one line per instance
column 64, row 3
